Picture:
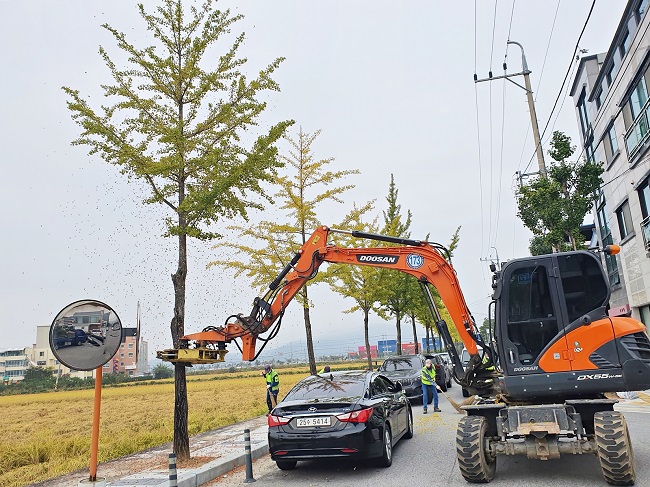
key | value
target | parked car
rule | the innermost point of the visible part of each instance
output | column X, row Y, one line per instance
column 354, row 414
column 449, row 367
column 464, row 358
column 406, row 369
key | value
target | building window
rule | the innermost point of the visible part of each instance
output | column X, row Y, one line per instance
column 624, row 220
column 638, row 98
column 641, row 9
column 130, row 345
column 599, row 99
column 40, row 363
column 611, row 144
column 130, row 354
column 644, row 311
column 584, row 114
column 624, row 46
column 644, row 197
column 606, row 237
column 591, row 154
column 41, row 354
column 121, row 364
column 610, row 74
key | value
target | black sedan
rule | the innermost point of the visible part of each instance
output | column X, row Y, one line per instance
column 407, row 370
column 354, row 414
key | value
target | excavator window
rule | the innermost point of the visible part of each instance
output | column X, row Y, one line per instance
column 583, row 284
column 532, row 321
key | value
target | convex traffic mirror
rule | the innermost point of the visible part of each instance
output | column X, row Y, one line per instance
column 85, row 335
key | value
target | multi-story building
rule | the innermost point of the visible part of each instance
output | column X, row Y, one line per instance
column 610, row 93
column 13, row 364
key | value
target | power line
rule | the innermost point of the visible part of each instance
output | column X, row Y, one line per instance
column 494, row 25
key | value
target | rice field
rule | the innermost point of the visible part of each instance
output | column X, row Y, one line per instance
column 47, row 435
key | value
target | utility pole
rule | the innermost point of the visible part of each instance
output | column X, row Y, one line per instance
column 525, row 72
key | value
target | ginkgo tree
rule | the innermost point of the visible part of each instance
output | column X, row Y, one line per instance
column 183, row 118
column 301, row 189
column 397, row 297
column 362, row 284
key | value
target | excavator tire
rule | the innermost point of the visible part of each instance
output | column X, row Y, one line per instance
column 614, row 448
column 475, row 462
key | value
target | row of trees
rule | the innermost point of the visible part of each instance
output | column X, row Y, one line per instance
column 183, row 117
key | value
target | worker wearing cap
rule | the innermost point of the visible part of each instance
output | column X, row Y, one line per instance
column 272, row 386
column 428, row 378
column 324, row 370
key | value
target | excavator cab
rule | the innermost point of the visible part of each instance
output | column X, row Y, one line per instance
column 551, row 318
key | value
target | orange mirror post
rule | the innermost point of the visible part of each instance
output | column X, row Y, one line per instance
column 94, row 442
column 612, row 249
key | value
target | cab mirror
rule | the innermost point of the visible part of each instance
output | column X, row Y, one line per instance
column 398, row 386
column 85, row 335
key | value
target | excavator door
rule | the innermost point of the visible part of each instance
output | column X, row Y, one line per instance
column 530, row 316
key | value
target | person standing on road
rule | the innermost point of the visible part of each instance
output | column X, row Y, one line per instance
column 428, row 380
column 272, row 386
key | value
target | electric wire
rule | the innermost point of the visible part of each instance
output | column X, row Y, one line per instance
column 566, row 76
column 494, row 26
column 478, row 140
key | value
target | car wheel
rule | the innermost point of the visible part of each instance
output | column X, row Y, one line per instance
column 409, row 425
column 286, row 464
column 386, row 458
column 450, row 382
column 443, row 386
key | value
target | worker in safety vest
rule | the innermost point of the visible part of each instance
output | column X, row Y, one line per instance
column 324, row 370
column 272, row 386
column 428, row 380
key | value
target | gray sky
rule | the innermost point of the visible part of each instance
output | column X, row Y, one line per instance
column 390, row 85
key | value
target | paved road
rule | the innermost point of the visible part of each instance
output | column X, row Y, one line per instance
column 430, row 459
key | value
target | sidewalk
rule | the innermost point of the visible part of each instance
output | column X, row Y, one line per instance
column 214, row 453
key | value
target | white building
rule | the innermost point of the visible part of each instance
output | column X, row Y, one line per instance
column 611, row 96
column 13, row 364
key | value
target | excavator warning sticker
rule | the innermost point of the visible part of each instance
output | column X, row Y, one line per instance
column 414, row 261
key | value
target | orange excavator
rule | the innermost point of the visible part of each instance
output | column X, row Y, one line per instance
column 540, row 376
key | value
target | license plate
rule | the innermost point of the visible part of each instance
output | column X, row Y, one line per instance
column 314, row 421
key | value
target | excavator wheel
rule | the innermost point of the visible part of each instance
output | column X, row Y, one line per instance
column 614, row 448
column 475, row 462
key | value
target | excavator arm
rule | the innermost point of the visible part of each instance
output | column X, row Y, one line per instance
column 423, row 260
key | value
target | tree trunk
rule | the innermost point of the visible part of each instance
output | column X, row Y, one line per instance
column 427, row 328
column 181, row 434
column 398, row 326
column 365, row 331
column 310, row 340
column 415, row 335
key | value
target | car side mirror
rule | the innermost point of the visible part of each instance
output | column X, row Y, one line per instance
column 398, row 386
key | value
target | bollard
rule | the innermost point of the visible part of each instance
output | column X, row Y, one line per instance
column 249, row 458
column 172, row 470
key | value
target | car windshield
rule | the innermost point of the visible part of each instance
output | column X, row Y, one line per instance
column 393, row 364
column 319, row 387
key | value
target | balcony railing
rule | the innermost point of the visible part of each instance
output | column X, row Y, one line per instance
column 645, row 231
column 638, row 133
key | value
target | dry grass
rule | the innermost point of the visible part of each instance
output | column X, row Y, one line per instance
column 46, row 435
